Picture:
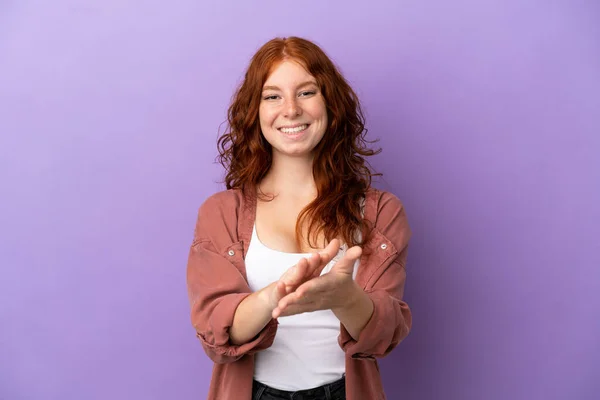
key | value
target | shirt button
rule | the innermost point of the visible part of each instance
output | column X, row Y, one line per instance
column 231, row 253
column 384, row 246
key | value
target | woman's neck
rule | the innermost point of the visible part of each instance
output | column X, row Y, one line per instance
column 291, row 176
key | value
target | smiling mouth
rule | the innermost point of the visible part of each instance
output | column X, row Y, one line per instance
column 295, row 129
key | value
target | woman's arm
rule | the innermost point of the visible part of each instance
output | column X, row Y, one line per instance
column 255, row 311
column 252, row 315
column 355, row 315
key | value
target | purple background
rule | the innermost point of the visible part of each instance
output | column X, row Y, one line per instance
column 488, row 114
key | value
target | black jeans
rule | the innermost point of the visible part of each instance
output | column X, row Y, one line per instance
column 330, row 391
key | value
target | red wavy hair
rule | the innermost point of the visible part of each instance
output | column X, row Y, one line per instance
column 341, row 173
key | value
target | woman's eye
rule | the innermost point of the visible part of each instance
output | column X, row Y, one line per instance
column 271, row 97
column 307, row 93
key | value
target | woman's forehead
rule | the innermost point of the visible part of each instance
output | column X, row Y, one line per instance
column 289, row 72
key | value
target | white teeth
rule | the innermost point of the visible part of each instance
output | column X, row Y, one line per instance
column 294, row 130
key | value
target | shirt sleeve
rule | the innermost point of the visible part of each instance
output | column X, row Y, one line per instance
column 391, row 320
column 215, row 288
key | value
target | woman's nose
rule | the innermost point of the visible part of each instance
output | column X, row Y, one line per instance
column 292, row 108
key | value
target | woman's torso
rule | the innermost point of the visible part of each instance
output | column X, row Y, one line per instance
column 305, row 352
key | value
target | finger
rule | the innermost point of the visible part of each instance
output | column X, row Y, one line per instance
column 354, row 253
column 314, row 263
column 346, row 263
column 293, row 276
column 294, row 298
column 331, row 250
column 297, row 309
column 321, row 284
column 280, row 291
column 326, row 255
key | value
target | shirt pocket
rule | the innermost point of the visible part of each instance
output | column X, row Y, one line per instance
column 234, row 253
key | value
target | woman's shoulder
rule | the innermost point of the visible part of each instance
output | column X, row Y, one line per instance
column 386, row 211
column 222, row 201
column 218, row 214
column 382, row 203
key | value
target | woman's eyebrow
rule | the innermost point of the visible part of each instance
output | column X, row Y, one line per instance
column 307, row 83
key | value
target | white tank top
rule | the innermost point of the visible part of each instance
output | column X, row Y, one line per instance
column 305, row 353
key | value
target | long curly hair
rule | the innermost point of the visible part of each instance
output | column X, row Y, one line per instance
column 341, row 173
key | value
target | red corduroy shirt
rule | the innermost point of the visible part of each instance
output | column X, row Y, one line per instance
column 217, row 283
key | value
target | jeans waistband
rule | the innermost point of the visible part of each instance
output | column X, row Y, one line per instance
column 320, row 391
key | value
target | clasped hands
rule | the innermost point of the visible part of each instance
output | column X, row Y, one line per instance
column 302, row 288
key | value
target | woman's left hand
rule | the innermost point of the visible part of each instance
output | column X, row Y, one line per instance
column 334, row 290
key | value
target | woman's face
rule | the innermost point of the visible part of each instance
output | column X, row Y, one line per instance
column 292, row 112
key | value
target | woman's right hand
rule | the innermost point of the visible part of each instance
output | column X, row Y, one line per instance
column 305, row 270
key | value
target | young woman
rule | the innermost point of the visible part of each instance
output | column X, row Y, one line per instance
column 296, row 272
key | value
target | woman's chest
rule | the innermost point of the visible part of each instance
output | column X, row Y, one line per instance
column 275, row 226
